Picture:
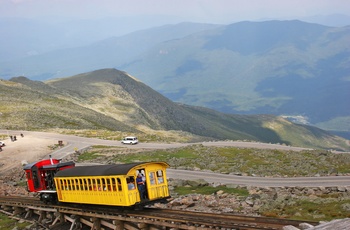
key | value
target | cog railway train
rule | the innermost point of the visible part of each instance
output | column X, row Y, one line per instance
column 114, row 184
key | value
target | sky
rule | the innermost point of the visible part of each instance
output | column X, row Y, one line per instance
column 207, row 11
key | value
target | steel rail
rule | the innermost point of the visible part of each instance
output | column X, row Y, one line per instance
column 98, row 217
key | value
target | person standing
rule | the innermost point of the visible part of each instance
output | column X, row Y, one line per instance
column 141, row 186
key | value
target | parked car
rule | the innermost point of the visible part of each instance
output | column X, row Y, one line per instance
column 2, row 144
column 130, row 140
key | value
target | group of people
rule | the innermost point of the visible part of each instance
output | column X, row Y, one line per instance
column 13, row 138
column 141, row 185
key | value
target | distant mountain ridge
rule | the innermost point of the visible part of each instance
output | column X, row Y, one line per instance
column 290, row 68
column 274, row 67
column 110, row 99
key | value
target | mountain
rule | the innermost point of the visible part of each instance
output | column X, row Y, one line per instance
column 106, row 53
column 25, row 37
column 290, row 68
column 109, row 99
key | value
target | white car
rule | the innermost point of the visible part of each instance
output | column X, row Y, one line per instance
column 130, row 140
column 2, row 144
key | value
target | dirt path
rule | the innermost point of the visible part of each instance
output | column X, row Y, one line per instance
column 26, row 149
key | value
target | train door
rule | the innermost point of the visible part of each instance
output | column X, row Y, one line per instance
column 49, row 179
column 142, row 184
column 36, row 178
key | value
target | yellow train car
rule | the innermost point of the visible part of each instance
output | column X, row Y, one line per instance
column 118, row 184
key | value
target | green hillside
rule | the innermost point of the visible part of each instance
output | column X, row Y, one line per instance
column 30, row 106
column 110, row 99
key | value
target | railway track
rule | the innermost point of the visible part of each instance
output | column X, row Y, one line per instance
column 106, row 217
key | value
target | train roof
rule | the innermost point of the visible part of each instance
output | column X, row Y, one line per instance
column 48, row 166
column 103, row 170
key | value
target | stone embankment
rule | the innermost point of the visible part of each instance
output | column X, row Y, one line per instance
column 260, row 199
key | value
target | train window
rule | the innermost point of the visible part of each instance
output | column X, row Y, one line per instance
column 160, row 177
column 86, row 184
column 131, row 183
column 76, row 184
column 114, row 186
column 104, row 185
column 152, row 178
column 35, row 179
column 119, row 184
column 95, row 185
column 81, row 187
column 71, row 184
column 108, row 184
column 159, row 173
column 99, row 185
column 95, row 182
column 91, row 184
column 66, row 184
column 50, row 182
column 82, row 184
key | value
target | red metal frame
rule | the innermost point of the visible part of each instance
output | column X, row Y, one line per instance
column 40, row 174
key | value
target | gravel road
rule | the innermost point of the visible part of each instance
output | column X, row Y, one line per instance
column 77, row 143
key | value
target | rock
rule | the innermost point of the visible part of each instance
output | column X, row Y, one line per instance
column 290, row 227
column 212, row 203
column 346, row 207
column 304, row 226
column 177, row 183
column 197, row 183
column 232, row 186
column 250, row 201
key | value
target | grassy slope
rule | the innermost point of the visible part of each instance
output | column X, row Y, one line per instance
column 110, row 99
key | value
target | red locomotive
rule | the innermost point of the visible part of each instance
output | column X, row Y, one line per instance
column 40, row 176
